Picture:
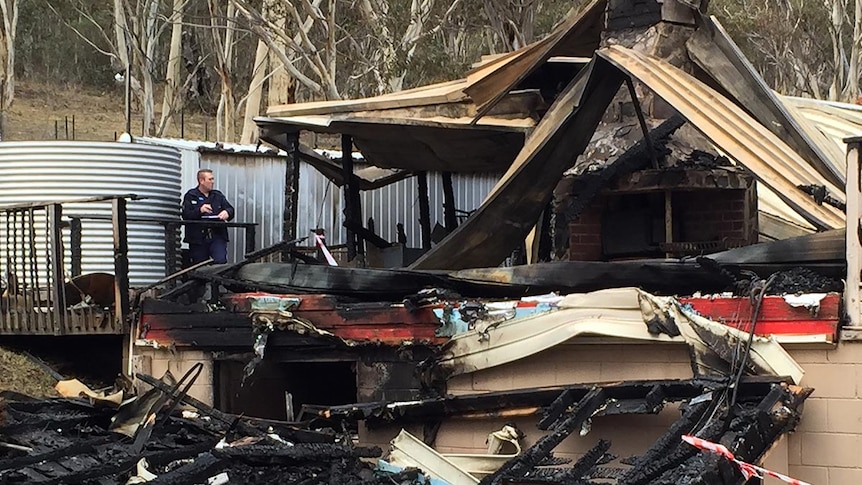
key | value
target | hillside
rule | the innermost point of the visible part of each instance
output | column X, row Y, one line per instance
column 46, row 112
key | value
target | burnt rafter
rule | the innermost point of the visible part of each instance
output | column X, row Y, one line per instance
column 520, row 465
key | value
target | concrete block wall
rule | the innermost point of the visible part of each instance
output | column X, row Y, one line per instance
column 156, row 362
column 827, row 446
column 826, row 449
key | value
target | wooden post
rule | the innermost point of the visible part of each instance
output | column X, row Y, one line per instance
column 121, row 262
column 75, row 245
column 58, row 297
column 852, row 296
column 668, row 219
column 349, row 188
column 449, row 217
column 291, row 193
column 642, row 121
column 424, row 209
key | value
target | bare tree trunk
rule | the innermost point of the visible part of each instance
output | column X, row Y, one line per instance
column 390, row 76
column 282, row 86
column 173, row 96
column 121, row 31
column 852, row 90
column 10, row 27
column 255, row 92
column 836, row 32
column 225, row 115
column 331, row 46
column 147, row 66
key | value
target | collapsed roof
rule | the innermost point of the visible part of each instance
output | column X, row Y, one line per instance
column 486, row 121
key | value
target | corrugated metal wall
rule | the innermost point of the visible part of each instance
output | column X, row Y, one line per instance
column 320, row 204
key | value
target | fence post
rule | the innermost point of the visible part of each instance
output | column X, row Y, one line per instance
column 55, row 234
column 75, row 238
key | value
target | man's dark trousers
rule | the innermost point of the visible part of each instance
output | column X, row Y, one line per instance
column 215, row 248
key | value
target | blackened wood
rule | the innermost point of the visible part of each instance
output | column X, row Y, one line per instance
column 298, row 453
column 198, row 471
column 74, row 243
column 660, row 456
column 260, row 253
column 520, row 465
column 450, row 219
column 511, row 211
column 339, row 280
column 58, row 293
column 291, row 191
column 121, row 262
column 366, row 234
column 349, row 187
column 248, row 426
column 642, row 121
column 589, row 460
column 424, row 209
column 557, row 408
column 86, row 446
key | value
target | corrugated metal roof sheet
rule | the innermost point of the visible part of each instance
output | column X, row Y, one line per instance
column 199, row 145
column 832, row 120
column 734, row 132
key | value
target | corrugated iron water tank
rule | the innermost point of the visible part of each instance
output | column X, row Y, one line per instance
column 35, row 172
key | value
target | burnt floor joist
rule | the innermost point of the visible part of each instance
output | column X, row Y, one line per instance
column 549, row 403
column 748, row 428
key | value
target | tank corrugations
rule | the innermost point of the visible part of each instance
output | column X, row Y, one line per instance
column 56, row 171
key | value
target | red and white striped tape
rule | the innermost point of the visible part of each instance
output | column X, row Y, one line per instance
column 318, row 240
column 748, row 470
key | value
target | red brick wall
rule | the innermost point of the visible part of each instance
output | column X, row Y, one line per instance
column 711, row 215
column 699, row 216
column 585, row 234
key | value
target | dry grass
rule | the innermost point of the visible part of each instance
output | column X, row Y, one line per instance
column 19, row 374
column 46, row 112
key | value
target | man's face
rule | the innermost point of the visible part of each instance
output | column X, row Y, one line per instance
column 206, row 181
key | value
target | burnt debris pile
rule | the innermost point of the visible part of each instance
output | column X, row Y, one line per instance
column 151, row 439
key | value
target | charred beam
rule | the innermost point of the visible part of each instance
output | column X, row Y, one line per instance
column 298, row 453
column 521, row 464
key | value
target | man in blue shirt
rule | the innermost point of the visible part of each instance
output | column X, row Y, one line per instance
column 205, row 203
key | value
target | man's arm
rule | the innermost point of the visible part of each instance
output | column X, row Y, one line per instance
column 227, row 207
column 191, row 207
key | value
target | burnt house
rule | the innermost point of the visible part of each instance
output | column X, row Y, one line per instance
column 619, row 157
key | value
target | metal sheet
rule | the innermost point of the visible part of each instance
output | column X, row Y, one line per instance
column 734, row 132
column 619, row 313
column 832, row 120
column 714, row 51
column 409, row 451
column 54, row 171
column 320, row 204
